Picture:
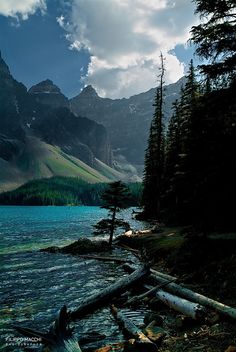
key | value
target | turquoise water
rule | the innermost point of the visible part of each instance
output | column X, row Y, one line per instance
column 35, row 285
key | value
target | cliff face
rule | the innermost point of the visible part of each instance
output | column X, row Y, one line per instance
column 43, row 115
column 127, row 120
column 12, row 95
column 77, row 136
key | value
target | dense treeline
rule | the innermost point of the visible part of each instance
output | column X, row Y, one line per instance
column 197, row 176
column 63, row 191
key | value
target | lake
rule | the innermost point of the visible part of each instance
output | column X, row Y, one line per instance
column 35, row 285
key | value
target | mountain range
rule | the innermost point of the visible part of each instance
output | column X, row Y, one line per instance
column 44, row 134
column 40, row 137
column 127, row 121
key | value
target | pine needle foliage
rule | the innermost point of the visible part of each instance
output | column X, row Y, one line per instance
column 215, row 38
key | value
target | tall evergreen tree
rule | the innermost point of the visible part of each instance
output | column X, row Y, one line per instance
column 181, row 142
column 173, row 151
column 215, row 37
column 154, row 158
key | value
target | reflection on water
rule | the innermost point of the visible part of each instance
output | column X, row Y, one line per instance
column 35, row 285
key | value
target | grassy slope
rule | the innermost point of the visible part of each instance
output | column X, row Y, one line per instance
column 107, row 171
column 41, row 160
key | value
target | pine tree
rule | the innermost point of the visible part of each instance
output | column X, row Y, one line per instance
column 181, row 143
column 154, row 157
column 173, row 151
column 215, row 37
column 115, row 198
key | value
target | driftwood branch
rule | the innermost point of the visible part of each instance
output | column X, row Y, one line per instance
column 133, row 331
column 97, row 300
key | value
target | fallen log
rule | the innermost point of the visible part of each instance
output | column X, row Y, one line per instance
column 136, row 252
column 99, row 299
column 130, row 268
column 103, row 258
column 141, row 340
column 184, row 292
column 190, row 309
column 196, row 297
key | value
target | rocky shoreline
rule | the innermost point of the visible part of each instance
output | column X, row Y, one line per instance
column 170, row 250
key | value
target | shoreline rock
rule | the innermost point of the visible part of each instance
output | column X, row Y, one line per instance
column 81, row 246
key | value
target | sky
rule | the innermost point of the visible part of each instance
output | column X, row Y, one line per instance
column 114, row 45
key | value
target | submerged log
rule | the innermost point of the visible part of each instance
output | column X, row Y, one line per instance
column 60, row 337
column 106, row 258
column 190, row 309
column 102, row 298
column 136, row 252
column 196, row 297
column 142, row 342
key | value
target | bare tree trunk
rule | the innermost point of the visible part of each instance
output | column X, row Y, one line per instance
column 160, row 137
column 112, row 226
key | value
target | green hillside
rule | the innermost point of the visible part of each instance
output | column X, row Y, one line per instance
column 41, row 160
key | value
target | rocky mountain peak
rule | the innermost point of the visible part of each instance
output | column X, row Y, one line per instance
column 47, row 93
column 88, row 92
column 46, row 86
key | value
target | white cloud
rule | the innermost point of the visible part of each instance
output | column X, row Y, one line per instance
column 21, row 9
column 124, row 39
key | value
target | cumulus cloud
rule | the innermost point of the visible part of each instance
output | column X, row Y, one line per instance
column 124, row 39
column 21, row 9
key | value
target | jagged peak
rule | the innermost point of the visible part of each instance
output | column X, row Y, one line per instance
column 88, row 91
column 46, row 86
